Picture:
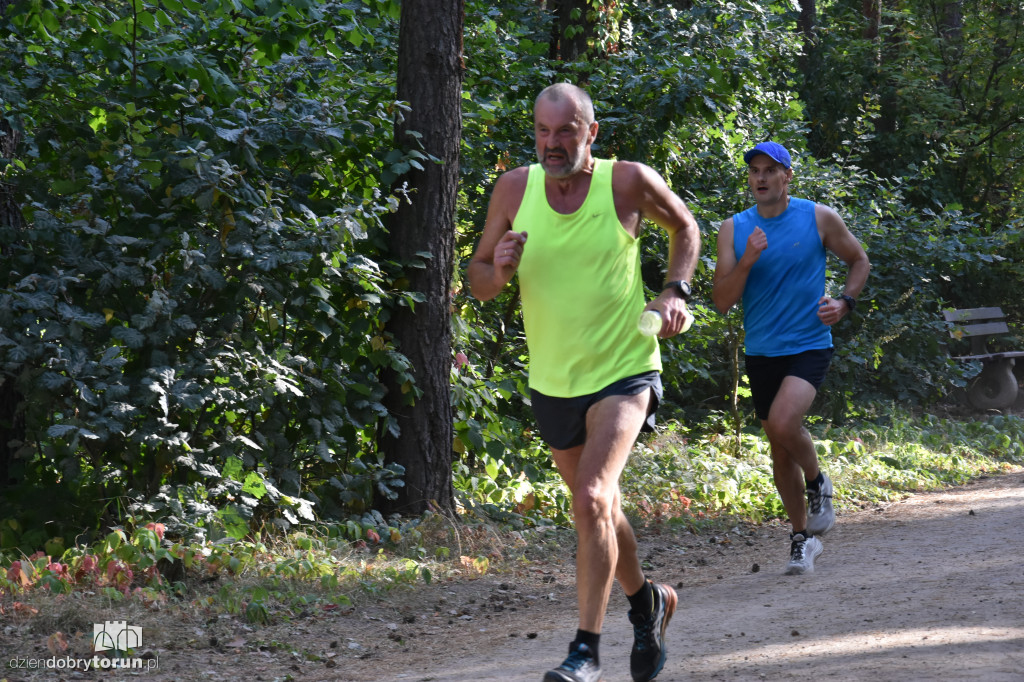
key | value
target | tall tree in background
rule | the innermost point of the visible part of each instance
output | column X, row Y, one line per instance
column 12, row 429
column 430, row 80
column 807, row 25
column 571, row 30
column 584, row 30
column 872, row 11
column 886, row 53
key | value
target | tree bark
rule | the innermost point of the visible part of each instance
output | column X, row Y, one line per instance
column 872, row 11
column 12, row 426
column 569, row 35
column 430, row 80
column 950, row 25
column 886, row 60
column 807, row 24
column 807, row 21
column 807, row 64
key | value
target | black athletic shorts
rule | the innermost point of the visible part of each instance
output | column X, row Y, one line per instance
column 766, row 374
column 563, row 421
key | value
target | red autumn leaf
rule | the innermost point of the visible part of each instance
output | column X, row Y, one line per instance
column 157, row 528
column 57, row 643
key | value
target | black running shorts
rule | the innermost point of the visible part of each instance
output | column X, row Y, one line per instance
column 766, row 374
column 563, row 421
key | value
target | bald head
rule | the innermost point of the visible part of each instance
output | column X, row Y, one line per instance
column 560, row 92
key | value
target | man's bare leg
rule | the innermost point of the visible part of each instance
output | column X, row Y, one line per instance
column 606, row 546
column 628, row 570
column 793, row 454
column 794, row 463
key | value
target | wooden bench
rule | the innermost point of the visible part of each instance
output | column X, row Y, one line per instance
column 996, row 386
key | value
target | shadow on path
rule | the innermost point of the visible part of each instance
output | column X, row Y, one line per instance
column 931, row 588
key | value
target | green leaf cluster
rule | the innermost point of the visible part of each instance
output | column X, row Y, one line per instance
column 195, row 288
column 192, row 315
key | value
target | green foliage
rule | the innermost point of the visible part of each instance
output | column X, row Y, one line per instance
column 120, row 564
column 883, row 454
column 193, row 317
column 949, row 118
column 260, row 581
column 529, row 494
column 681, row 479
column 892, row 451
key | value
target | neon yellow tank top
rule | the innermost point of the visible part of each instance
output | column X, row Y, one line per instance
column 582, row 292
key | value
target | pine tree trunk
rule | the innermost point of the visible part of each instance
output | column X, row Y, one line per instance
column 12, row 427
column 569, row 33
column 430, row 80
column 872, row 12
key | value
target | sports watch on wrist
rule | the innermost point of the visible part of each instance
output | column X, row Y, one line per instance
column 681, row 287
column 851, row 302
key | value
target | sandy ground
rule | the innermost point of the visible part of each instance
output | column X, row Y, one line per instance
column 930, row 588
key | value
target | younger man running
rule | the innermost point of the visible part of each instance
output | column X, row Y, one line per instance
column 773, row 256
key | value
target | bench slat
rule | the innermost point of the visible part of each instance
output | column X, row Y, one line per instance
column 992, row 356
column 982, row 329
column 967, row 314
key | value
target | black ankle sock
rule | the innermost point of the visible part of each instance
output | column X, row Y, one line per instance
column 816, row 483
column 643, row 600
column 806, row 535
column 591, row 639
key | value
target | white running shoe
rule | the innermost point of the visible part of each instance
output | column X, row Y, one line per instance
column 820, row 514
column 802, row 553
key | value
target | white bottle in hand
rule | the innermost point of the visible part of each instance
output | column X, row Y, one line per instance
column 649, row 323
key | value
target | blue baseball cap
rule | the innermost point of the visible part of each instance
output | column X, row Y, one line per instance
column 772, row 150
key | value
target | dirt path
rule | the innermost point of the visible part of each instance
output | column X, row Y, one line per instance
column 930, row 588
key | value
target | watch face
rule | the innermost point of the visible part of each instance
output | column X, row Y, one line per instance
column 681, row 287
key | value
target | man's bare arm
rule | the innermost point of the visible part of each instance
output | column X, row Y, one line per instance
column 838, row 239
column 731, row 274
column 659, row 204
column 497, row 255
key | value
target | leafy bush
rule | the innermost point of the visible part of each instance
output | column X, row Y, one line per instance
column 882, row 453
column 193, row 318
column 193, row 310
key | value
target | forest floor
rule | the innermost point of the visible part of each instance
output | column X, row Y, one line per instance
column 927, row 588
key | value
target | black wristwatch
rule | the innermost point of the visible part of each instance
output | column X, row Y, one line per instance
column 681, row 287
column 851, row 302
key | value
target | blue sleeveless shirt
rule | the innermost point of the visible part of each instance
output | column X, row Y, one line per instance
column 780, row 300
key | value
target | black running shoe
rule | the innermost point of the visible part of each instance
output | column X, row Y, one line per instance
column 580, row 666
column 648, row 655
